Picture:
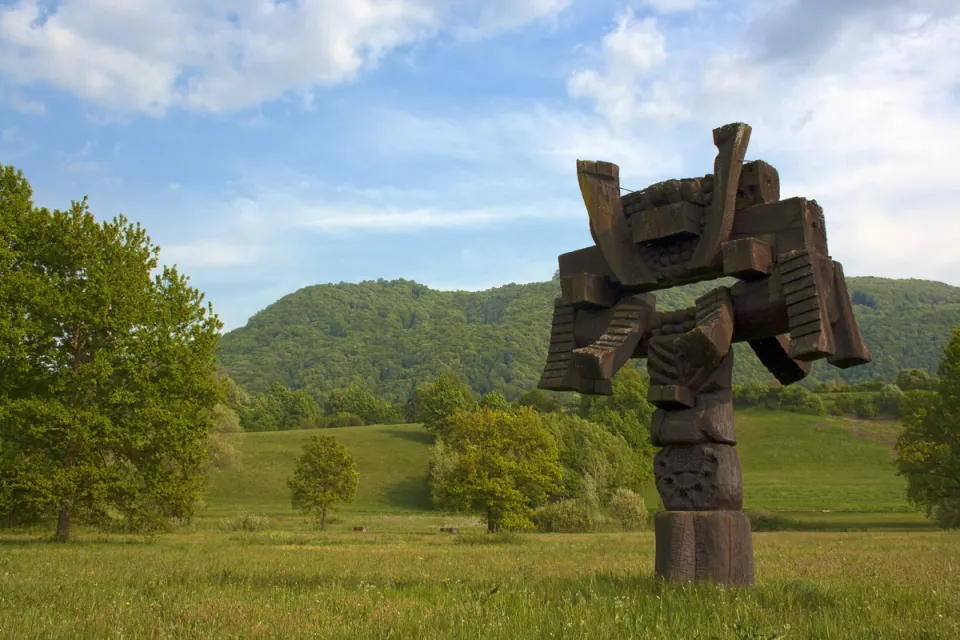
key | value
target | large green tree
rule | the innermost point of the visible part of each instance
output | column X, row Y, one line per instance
column 324, row 475
column 928, row 449
column 107, row 370
column 435, row 403
column 501, row 464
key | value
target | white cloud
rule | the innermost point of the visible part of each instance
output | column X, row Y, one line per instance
column 628, row 54
column 211, row 254
column 13, row 98
column 868, row 126
column 218, row 55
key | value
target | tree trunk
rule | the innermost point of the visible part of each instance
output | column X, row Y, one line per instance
column 491, row 524
column 323, row 519
column 63, row 523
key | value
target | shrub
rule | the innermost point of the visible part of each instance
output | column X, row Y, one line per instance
column 864, row 407
column 565, row 516
column 245, row 522
column 889, row 399
column 344, row 419
column 628, row 509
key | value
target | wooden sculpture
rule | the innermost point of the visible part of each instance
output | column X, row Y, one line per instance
column 790, row 304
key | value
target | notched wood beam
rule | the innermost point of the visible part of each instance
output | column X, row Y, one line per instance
column 747, row 258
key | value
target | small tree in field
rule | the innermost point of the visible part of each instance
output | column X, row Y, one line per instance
column 928, row 449
column 324, row 475
column 502, row 464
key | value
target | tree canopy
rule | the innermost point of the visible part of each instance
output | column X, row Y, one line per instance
column 497, row 463
column 324, row 476
column 107, row 370
column 928, row 449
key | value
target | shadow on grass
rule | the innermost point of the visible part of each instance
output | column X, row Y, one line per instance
column 411, row 494
column 420, row 437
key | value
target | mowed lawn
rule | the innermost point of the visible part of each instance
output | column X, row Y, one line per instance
column 403, row 578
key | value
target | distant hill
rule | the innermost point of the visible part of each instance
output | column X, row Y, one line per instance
column 391, row 335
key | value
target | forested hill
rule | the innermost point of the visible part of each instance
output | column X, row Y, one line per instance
column 392, row 335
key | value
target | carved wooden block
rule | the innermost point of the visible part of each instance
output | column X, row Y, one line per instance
column 602, row 358
column 699, row 477
column 731, row 141
column 600, row 188
column 747, row 258
column 850, row 349
column 671, row 396
column 807, row 283
column 759, row 184
column 788, row 225
column 670, row 221
column 709, row 420
column 588, row 291
column 774, row 354
column 704, row 546
column 559, row 373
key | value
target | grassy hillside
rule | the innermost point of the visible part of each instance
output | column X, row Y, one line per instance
column 391, row 461
column 791, row 463
column 389, row 336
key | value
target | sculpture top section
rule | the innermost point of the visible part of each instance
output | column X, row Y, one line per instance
column 730, row 222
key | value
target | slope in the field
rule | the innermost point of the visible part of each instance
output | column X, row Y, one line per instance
column 391, row 461
column 791, row 462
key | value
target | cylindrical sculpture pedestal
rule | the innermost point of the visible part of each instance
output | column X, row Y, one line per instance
column 701, row 546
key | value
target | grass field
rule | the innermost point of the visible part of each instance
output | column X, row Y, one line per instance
column 404, row 579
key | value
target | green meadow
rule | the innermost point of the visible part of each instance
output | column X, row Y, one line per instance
column 854, row 560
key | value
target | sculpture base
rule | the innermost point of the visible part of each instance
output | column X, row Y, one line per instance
column 704, row 546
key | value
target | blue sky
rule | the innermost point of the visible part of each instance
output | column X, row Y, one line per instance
column 268, row 145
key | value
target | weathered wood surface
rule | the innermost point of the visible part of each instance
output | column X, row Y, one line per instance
column 704, row 546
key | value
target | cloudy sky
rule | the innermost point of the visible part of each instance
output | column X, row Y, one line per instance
column 268, row 145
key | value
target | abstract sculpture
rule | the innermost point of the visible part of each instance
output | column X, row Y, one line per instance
column 729, row 223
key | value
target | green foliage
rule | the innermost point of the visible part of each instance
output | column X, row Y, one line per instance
column 778, row 398
column 588, row 450
column 916, row 380
column 494, row 400
column 358, row 401
column 221, row 454
column 245, row 522
column 626, row 413
column 539, row 400
column 280, row 409
column 628, row 509
column 324, row 476
column 564, row 516
column 435, row 403
column 929, row 447
column 107, row 371
column 501, row 464
column 343, row 419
